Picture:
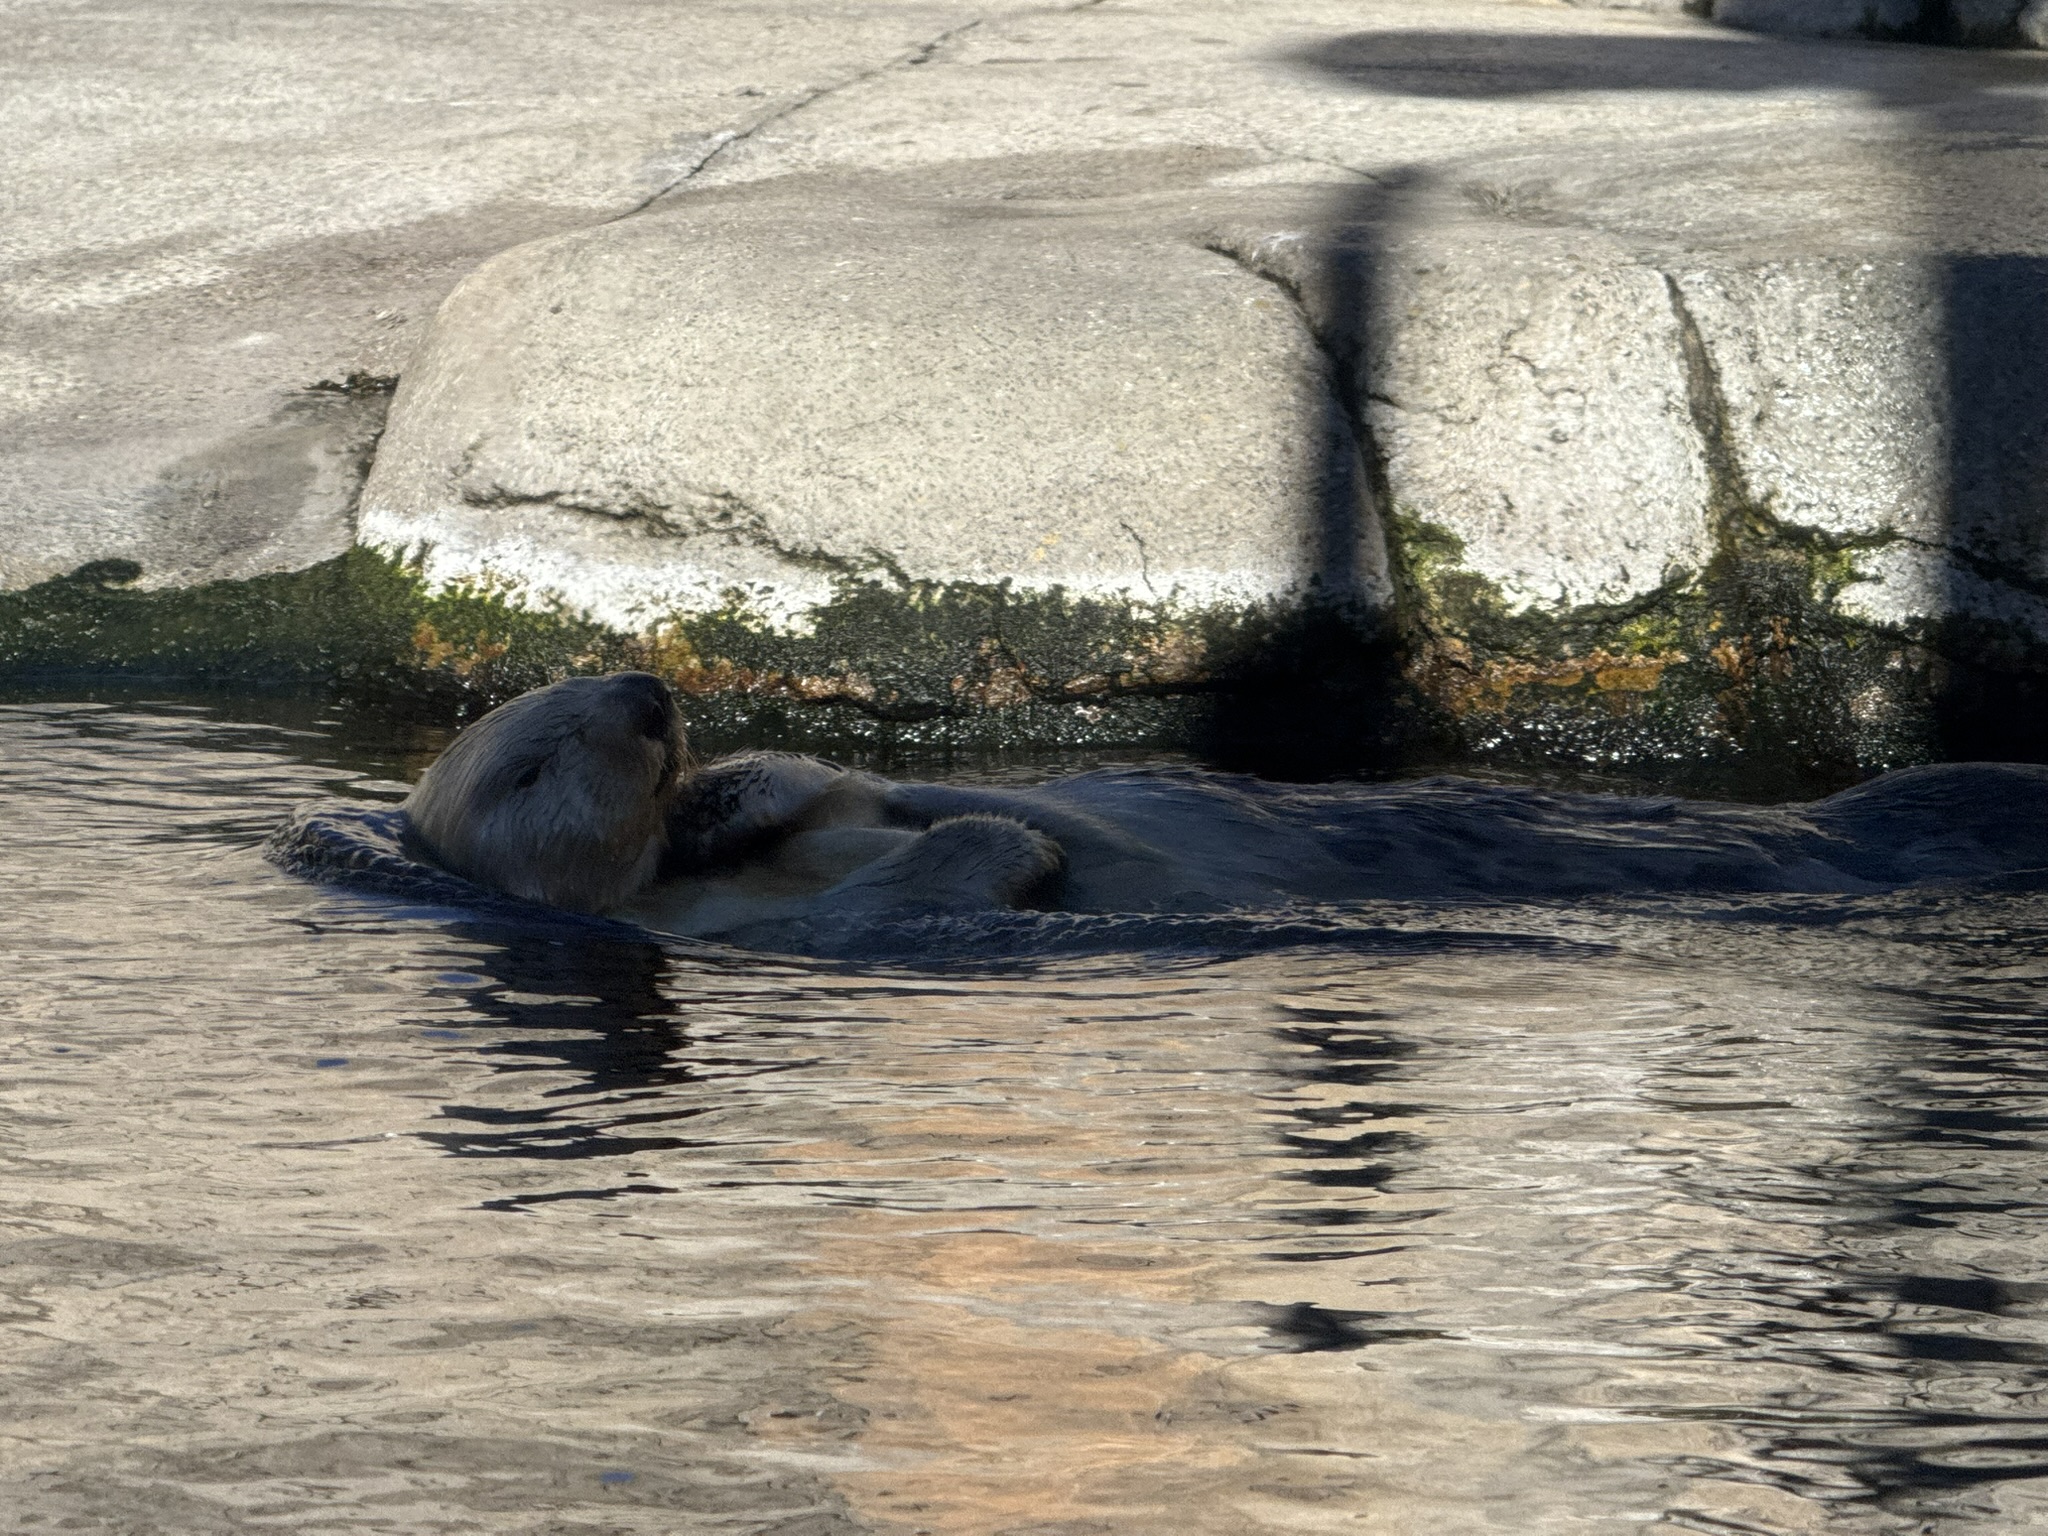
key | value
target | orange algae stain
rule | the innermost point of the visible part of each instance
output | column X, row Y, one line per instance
column 1450, row 674
column 1634, row 674
column 1170, row 659
column 463, row 658
column 1173, row 656
column 996, row 678
column 670, row 656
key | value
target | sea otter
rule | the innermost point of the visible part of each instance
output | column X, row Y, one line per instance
column 578, row 795
column 582, row 796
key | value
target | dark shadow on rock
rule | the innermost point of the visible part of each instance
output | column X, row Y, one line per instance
column 1984, row 671
column 1992, row 699
column 1315, row 693
column 1321, row 688
column 1942, row 23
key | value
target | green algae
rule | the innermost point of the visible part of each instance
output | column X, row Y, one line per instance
column 1748, row 677
column 886, row 663
column 350, row 624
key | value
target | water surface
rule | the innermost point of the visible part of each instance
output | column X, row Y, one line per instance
column 327, row 1213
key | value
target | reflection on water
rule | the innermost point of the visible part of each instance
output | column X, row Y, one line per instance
column 328, row 1213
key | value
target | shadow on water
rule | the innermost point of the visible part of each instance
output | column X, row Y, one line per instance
column 1989, row 698
column 634, row 1039
column 601, row 1011
column 1921, row 1388
column 1989, row 1031
column 1347, row 1162
column 1959, row 1353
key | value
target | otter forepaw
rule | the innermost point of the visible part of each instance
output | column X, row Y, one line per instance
column 964, row 863
column 734, row 807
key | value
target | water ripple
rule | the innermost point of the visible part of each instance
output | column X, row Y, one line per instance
column 1620, row 1213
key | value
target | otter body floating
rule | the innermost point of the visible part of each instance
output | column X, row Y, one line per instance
column 580, row 797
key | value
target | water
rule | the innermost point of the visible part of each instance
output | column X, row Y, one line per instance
column 326, row 1213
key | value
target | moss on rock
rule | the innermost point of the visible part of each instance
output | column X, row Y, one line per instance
column 1747, row 677
column 886, row 662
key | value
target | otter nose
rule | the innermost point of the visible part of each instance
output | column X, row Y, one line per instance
column 651, row 699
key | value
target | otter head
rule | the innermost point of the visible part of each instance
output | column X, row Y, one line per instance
column 560, row 795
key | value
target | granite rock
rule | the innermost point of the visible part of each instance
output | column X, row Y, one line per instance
column 1590, row 281
column 760, row 390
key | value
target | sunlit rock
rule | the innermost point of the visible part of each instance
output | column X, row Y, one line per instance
column 210, row 210
column 761, row 390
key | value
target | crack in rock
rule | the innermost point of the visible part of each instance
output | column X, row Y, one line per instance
column 718, row 514
column 1741, row 516
column 725, row 139
column 1340, row 362
column 1144, row 558
column 1986, row 567
column 1730, row 502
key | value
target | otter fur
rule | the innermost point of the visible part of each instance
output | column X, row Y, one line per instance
column 578, row 796
column 582, row 796
column 560, row 796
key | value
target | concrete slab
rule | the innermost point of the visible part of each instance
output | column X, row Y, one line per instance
column 213, row 206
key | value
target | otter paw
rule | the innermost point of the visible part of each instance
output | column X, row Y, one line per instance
column 964, row 863
column 731, row 809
